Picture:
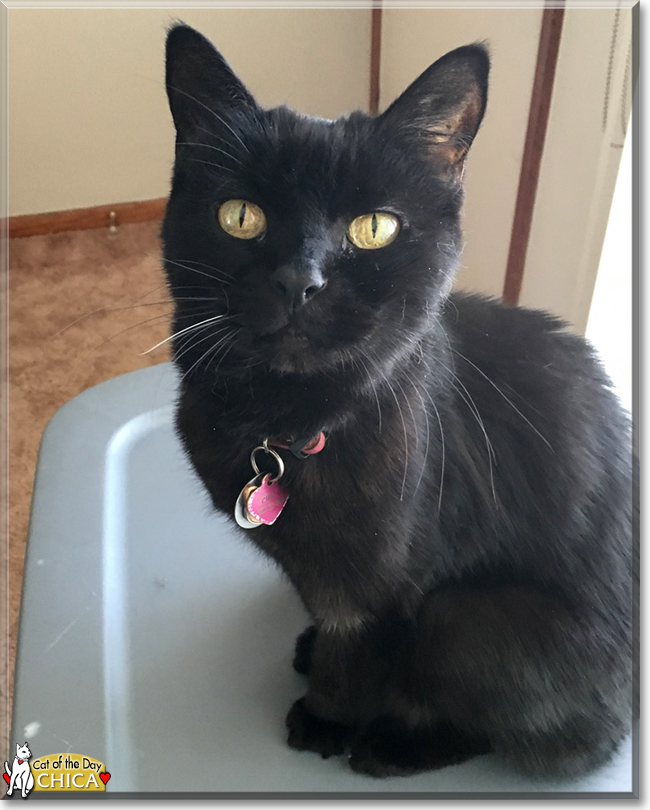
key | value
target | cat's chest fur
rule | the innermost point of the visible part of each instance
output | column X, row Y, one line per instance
column 385, row 511
column 331, row 539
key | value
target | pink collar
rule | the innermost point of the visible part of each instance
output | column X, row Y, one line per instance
column 302, row 448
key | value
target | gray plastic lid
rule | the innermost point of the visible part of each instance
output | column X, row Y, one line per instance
column 155, row 638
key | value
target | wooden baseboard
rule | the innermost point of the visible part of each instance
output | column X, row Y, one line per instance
column 81, row 219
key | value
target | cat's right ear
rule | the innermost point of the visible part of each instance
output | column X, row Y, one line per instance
column 443, row 108
column 201, row 87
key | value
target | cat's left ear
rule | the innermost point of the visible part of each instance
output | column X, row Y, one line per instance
column 202, row 88
column 444, row 107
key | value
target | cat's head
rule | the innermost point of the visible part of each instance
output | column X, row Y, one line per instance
column 23, row 752
column 318, row 241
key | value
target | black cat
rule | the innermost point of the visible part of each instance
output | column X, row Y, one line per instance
column 463, row 540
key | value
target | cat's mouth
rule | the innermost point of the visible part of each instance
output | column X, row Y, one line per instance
column 286, row 334
column 287, row 331
column 288, row 349
column 293, row 332
column 304, row 342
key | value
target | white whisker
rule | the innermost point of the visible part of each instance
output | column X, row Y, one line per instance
column 210, row 163
column 191, row 342
column 442, row 447
column 203, row 264
column 426, row 422
column 374, row 391
column 223, row 356
column 212, row 112
column 512, row 405
column 208, row 146
column 205, row 354
column 408, row 404
column 213, row 319
column 199, row 272
column 401, row 415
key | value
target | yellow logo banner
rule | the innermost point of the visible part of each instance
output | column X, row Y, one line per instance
column 69, row 772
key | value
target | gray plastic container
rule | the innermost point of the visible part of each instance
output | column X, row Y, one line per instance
column 156, row 639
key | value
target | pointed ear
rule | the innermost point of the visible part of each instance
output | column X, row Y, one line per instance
column 444, row 106
column 17, row 749
column 201, row 87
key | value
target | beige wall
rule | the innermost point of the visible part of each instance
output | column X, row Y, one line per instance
column 412, row 40
column 89, row 124
column 88, row 116
column 580, row 162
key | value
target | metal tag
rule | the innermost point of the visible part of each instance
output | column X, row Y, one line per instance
column 262, row 499
column 241, row 511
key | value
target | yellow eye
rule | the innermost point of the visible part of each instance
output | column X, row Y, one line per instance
column 373, row 230
column 242, row 219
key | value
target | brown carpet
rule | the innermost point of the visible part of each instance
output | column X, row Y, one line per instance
column 82, row 306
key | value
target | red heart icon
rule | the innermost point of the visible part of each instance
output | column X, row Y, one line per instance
column 105, row 777
column 6, row 776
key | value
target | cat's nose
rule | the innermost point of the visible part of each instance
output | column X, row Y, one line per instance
column 297, row 284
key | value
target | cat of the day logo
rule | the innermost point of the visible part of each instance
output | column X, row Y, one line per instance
column 54, row 773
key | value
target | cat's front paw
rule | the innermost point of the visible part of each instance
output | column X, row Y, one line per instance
column 310, row 733
column 387, row 748
column 381, row 750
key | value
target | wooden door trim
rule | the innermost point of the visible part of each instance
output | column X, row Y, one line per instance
column 540, row 104
column 375, row 57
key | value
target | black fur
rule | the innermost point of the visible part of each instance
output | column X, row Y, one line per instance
column 463, row 543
